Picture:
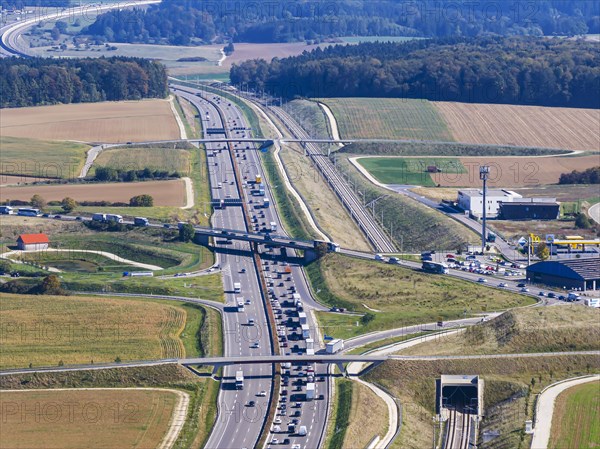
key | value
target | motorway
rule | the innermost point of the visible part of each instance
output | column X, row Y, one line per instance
column 281, row 276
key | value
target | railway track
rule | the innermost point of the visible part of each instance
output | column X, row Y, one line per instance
column 358, row 212
column 458, row 429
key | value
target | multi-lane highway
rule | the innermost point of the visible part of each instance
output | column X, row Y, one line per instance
column 283, row 279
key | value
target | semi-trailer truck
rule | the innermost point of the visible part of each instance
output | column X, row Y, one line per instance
column 334, row 346
column 115, row 218
column 239, row 380
column 435, row 267
column 310, row 391
column 240, row 304
column 99, row 217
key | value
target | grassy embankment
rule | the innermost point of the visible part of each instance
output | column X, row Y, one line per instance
column 576, row 419
column 399, row 295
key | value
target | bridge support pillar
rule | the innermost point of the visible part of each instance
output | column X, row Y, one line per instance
column 201, row 239
column 310, row 255
column 340, row 366
column 215, row 370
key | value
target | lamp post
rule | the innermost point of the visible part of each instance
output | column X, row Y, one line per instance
column 484, row 172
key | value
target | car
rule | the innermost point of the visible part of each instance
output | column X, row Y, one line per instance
column 57, row 217
column 321, row 397
column 482, row 280
column 562, row 298
column 296, row 446
column 277, row 421
column 524, row 290
column 551, row 295
column 285, row 441
column 79, row 218
column 261, row 393
column 166, row 226
column 255, row 345
column 521, row 285
column 45, row 215
column 251, row 403
column 243, row 270
column 502, row 285
column 274, row 441
column 284, row 392
column 541, row 294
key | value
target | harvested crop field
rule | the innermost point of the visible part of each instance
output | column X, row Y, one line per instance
column 531, row 126
column 516, row 171
column 99, row 418
column 78, row 329
column 165, row 193
column 110, row 122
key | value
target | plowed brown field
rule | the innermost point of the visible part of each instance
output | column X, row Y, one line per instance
column 516, row 171
column 532, row 126
column 165, row 193
column 113, row 122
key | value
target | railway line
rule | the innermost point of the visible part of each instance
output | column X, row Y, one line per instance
column 358, row 212
column 458, row 428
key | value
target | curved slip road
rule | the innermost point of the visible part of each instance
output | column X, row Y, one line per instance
column 594, row 212
column 545, row 409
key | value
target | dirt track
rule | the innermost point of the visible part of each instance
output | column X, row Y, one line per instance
column 165, row 193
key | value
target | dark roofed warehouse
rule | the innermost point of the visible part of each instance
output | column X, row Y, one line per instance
column 526, row 210
column 583, row 274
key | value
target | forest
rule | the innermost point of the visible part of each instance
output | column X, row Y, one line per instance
column 185, row 22
column 523, row 70
column 44, row 81
column 589, row 176
column 21, row 4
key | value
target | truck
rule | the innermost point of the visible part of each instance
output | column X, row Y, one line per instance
column 334, row 346
column 573, row 296
column 99, row 217
column 305, row 331
column 239, row 380
column 141, row 221
column 237, row 287
column 240, row 304
column 114, row 217
column 303, row 318
column 592, row 302
column 6, row 210
column 266, row 203
column 28, row 212
column 435, row 267
column 310, row 391
column 273, row 226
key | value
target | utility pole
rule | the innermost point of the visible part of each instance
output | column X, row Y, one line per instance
column 484, row 172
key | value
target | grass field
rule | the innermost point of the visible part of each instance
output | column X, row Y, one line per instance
column 530, row 126
column 388, row 118
column 510, row 386
column 80, row 329
column 576, row 419
column 401, row 296
column 108, row 122
column 338, row 424
column 141, row 158
column 72, row 419
column 165, row 193
column 411, row 171
column 40, row 158
column 551, row 329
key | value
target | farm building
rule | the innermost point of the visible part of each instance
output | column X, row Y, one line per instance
column 529, row 210
column 33, row 242
column 472, row 200
column 581, row 274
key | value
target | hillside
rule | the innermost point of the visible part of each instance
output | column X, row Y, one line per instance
column 548, row 329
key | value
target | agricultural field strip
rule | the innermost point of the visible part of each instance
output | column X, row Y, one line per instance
column 18, row 254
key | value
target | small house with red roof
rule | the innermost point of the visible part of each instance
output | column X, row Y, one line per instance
column 33, row 242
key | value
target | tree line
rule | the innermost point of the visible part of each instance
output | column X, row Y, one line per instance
column 43, row 81
column 105, row 174
column 184, row 22
column 589, row 176
column 523, row 70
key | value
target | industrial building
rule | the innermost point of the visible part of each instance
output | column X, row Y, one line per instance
column 33, row 242
column 472, row 200
column 529, row 209
column 572, row 274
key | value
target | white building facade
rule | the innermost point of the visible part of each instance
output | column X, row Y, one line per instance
column 472, row 200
